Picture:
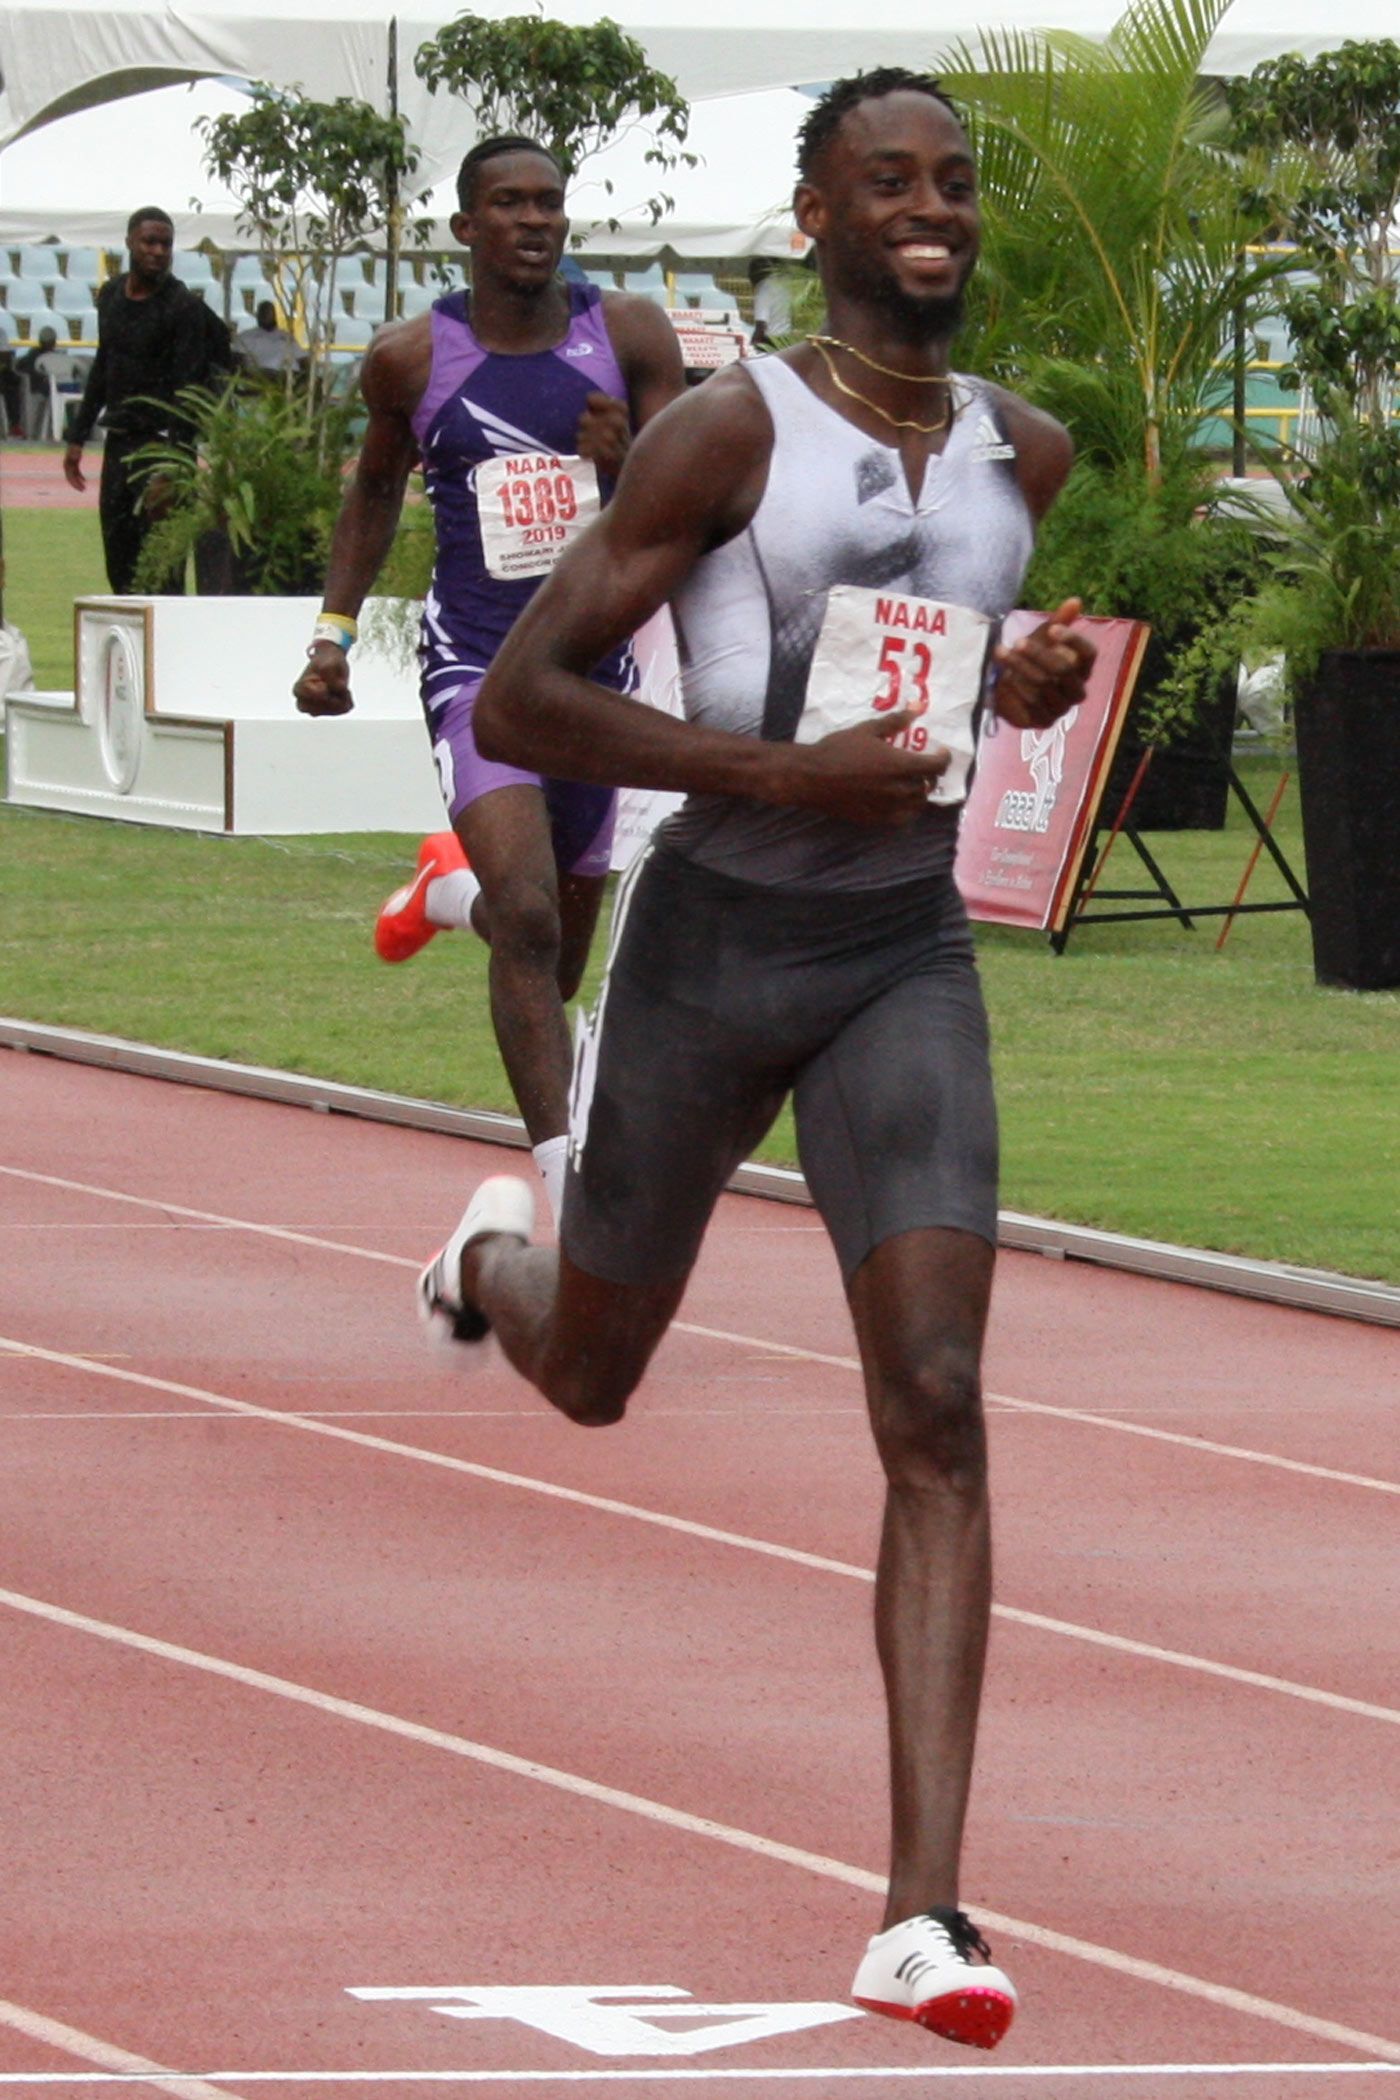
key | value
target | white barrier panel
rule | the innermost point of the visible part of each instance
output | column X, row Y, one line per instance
column 183, row 715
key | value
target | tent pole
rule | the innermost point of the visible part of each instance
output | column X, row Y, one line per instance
column 394, row 213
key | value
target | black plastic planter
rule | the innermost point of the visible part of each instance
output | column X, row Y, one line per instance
column 1348, row 726
column 1187, row 785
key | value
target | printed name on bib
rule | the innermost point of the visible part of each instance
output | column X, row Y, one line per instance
column 878, row 653
column 532, row 506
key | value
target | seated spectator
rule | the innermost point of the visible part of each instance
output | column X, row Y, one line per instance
column 266, row 347
column 42, row 361
column 47, row 342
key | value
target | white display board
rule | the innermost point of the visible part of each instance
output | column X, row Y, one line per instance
column 182, row 714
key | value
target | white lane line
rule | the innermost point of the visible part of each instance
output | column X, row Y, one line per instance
column 1196, row 1443
column 643, row 2078
column 210, row 1217
column 1219, row 1994
column 121, row 2065
column 757, row 1343
column 688, row 1527
column 1081, row 1414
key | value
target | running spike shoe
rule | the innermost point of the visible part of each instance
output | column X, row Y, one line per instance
column 403, row 926
column 501, row 1204
column 923, row 1969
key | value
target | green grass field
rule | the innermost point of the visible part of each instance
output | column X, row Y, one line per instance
column 51, row 558
column 1147, row 1084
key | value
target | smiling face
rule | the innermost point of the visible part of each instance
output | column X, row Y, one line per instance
column 892, row 205
column 515, row 226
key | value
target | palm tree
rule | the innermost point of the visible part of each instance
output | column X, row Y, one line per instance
column 1114, row 226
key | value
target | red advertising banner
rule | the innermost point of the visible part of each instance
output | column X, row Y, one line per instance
column 1036, row 792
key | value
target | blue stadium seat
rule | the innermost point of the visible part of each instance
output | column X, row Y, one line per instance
column 415, row 299
column 70, row 297
column 25, row 304
column 350, row 332
column 193, row 267
column 39, row 265
column 84, row 266
column 698, row 290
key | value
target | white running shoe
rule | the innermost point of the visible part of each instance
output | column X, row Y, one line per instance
column 502, row 1204
column 923, row 1970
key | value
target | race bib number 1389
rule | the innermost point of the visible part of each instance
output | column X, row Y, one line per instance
column 531, row 508
column 879, row 653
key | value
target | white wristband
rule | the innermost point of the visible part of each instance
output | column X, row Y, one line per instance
column 336, row 628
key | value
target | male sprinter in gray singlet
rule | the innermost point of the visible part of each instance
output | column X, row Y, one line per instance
column 520, row 396
column 838, row 530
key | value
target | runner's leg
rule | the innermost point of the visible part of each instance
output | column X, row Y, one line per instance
column 919, row 1302
column 580, row 899
column 507, row 839
column 581, row 1342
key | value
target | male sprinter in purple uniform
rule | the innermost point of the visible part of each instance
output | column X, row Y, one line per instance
column 822, row 522
column 521, row 397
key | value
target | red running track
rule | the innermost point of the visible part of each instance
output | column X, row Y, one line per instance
column 332, row 1669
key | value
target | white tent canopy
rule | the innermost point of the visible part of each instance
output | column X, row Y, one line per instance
column 57, row 58
column 672, row 242
column 734, row 203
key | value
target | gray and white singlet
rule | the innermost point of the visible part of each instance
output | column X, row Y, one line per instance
column 765, row 953
column 836, row 510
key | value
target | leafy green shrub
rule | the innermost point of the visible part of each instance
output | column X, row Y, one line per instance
column 264, row 467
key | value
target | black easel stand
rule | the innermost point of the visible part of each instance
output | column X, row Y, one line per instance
column 1161, row 900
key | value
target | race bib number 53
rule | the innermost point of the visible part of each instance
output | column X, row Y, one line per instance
column 878, row 653
column 532, row 507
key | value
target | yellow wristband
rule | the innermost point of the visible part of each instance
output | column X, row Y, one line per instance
column 337, row 628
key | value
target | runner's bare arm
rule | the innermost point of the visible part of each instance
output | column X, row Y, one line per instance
column 1043, row 676
column 392, row 379
column 692, row 482
column 646, row 348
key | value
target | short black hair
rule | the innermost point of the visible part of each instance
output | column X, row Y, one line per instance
column 825, row 117
column 487, row 149
column 148, row 211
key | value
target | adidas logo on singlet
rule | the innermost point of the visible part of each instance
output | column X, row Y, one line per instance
column 989, row 443
column 578, row 350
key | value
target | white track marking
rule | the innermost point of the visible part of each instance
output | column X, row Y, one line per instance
column 758, row 1343
column 120, row 2064
column 211, row 1217
column 596, row 2077
column 1195, row 1443
column 316, row 1425
column 1219, row 1994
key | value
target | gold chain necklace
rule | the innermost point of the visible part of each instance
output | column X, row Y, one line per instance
column 895, row 422
column 834, row 342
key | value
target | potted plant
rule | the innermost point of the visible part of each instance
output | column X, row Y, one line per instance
column 1165, row 551
column 253, row 491
column 1115, row 237
column 1332, row 604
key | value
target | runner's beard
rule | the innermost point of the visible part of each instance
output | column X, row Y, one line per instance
column 916, row 320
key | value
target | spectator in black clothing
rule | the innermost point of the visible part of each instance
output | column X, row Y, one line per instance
column 153, row 338
column 11, row 392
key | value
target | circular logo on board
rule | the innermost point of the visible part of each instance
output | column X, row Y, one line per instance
column 121, row 719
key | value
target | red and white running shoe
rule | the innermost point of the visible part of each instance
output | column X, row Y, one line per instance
column 923, row 1969
column 502, row 1204
column 403, row 926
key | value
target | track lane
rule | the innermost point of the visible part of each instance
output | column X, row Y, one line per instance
column 772, row 1433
